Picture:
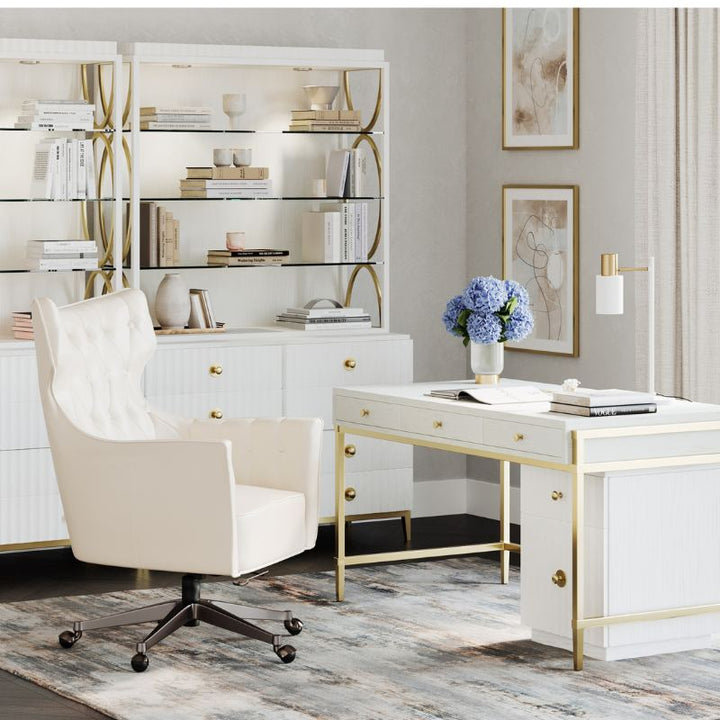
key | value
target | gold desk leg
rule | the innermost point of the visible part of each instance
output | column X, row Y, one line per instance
column 407, row 526
column 504, row 520
column 339, row 514
column 578, row 564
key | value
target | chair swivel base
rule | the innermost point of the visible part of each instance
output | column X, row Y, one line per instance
column 191, row 610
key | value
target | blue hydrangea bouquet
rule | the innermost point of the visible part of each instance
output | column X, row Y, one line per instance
column 488, row 311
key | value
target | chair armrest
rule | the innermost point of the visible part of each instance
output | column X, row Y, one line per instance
column 280, row 453
column 156, row 504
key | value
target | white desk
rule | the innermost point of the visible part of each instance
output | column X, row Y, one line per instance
column 680, row 435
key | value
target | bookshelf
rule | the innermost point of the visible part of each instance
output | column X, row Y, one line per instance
column 69, row 70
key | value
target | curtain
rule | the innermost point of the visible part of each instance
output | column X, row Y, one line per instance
column 677, row 180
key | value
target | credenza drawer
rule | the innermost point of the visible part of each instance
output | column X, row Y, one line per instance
column 213, row 369
column 258, row 402
column 526, row 438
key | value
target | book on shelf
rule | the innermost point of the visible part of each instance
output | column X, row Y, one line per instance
column 198, row 125
column 228, row 173
column 55, row 263
column 32, row 104
column 164, row 246
column 311, row 311
column 202, row 184
column 353, row 231
column 52, row 247
column 23, row 334
column 587, row 397
column 336, row 172
column 148, row 234
column 22, row 326
column 331, row 320
column 197, row 317
column 490, row 395
column 175, row 110
column 249, row 252
column 321, row 237
column 55, row 115
column 218, row 193
column 193, row 118
column 334, row 327
column 246, row 261
column 311, row 126
column 338, row 115
column 355, row 180
column 208, row 315
column 57, row 126
column 603, row 410
column 64, row 169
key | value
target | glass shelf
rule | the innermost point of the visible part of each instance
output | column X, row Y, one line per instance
column 274, row 197
column 95, row 130
column 280, row 265
column 45, row 272
column 33, row 200
column 304, row 133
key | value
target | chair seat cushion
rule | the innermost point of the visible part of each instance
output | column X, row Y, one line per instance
column 270, row 526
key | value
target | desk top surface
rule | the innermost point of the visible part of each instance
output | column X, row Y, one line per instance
column 669, row 411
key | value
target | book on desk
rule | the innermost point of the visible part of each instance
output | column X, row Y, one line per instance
column 603, row 403
column 493, row 394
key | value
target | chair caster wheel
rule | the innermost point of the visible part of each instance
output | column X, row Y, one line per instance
column 140, row 662
column 294, row 626
column 69, row 638
column 286, row 653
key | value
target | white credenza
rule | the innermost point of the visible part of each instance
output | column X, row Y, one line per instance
column 260, row 374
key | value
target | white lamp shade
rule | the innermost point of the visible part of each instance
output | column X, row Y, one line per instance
column 609, row 294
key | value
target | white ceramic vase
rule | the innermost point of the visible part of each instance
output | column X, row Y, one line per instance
column 487, row 361
column 172, row 302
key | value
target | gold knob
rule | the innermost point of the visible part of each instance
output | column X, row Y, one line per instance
column 216, row 414
column 437, row 424
column 364, row 412
column 556, row 495
column 350, row 364
column 518, row 437
column 350, row 451
column 350, row 494
column 559, row 578
column 216, row 369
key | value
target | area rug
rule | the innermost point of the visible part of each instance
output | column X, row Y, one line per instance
column 434, row 640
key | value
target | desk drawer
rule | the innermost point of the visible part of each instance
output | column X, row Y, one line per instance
column 440, row 424
column 525, row 438
column 364, row 453
column 258, row 402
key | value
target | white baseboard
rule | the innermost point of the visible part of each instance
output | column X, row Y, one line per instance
column 439, row 497
column 483, row 500
column 457, row 496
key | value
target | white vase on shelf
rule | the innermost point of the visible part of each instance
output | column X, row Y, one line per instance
column 487, row 361
column 172, row 302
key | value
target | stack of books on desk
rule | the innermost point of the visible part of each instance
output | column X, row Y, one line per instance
column 55, row 115
column 346, row 318
column 226, row 182
column 179, row 117
column 603, row 403
column 249, row 256
column 62, row 255
column 22, row 326
column 325, row 121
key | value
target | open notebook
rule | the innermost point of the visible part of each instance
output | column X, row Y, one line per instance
column 492, row 395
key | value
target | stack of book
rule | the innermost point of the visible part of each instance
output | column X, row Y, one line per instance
column 62, row 255
column 325, row 121
column 159, row 237
column 22, row 326
column 64, row 169
column 55, row 115
column 180, row 117
column 226, row 182
column 335, row 235
column 201, row 312
column 343, row 318
column 603, row 403
column 345, row 173
column 249, row 256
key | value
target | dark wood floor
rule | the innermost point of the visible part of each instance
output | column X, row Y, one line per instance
column 53, row 573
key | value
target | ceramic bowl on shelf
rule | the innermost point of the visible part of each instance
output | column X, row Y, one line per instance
column 234, row 105
column 321, row 97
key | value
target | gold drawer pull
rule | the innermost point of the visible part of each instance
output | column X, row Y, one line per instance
column 350, row 451
column 559, row 578
column 350, row 364
column 518, row 437
column 350, row 494
column 557, row 495
column 216, row 370
column 364, row 412
column 437, row 424
column 216, row 414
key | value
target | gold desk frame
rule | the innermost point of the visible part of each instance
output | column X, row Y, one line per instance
column 578, row 468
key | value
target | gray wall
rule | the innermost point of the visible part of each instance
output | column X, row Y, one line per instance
column 447, row 162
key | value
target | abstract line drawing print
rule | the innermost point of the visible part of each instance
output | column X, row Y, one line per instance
column 540, row 263
column 540, row 72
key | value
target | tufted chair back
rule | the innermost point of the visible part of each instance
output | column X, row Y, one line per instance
column 91, row 356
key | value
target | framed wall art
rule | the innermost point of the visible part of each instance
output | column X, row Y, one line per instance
column 540, row 251
column 540, row 79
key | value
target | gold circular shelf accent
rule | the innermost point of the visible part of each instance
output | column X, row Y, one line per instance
column 376, row 285
column 378, row 165
column 378, row 101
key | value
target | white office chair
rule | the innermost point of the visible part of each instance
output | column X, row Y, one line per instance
column 147, row 490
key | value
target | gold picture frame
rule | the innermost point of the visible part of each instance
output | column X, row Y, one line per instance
column 540, row 79
column 540, row 236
